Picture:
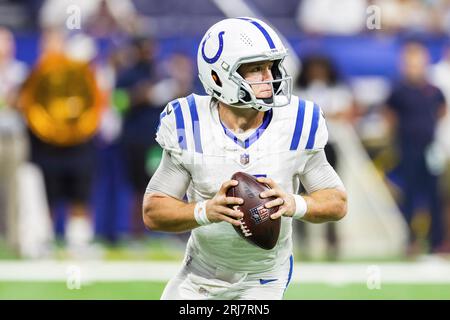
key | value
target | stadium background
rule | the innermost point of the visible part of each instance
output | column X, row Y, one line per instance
column 363, row 39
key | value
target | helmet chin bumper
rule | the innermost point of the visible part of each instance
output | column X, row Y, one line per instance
column 280, row 97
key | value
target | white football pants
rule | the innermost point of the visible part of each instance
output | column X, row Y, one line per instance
column 199, row 281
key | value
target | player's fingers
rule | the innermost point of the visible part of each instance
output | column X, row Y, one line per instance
column 232, row 200
column 278, row 214
column 226, row 185
column 269, row 193
column 268, row 181
column 274, row 203
column 236, row 214
column 234, row 222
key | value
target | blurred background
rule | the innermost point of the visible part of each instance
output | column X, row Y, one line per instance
column 82, row 84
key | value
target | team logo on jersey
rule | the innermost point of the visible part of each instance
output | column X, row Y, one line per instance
column 260, row 214
column 245, row 158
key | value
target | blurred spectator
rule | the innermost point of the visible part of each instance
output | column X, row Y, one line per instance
column 440, row 75
column 148, row 86
column 319, row 82
column 332, row 17
column 349, row 16
column 63, row 87
column 445, row 16
column 140, row 120
column 99, row 18
column 401, row 15
column 413, row 111
column 177, row 82
column 12, row 71
column 12, row 137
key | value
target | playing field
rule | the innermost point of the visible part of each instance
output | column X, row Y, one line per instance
column 152, row 290
column 146, row 280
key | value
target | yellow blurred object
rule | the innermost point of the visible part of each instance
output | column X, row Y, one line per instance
column 61, row 101
column 420, row 224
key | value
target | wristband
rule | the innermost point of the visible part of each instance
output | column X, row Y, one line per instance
column 300, row 207
column 200, row 213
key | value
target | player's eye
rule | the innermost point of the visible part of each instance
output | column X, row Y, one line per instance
column 256, row 69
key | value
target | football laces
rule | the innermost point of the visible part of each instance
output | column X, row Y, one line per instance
column 244, row 228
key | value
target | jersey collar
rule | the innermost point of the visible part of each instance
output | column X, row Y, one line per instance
column 254, row 136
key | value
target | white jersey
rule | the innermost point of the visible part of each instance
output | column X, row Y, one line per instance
column 191, row 130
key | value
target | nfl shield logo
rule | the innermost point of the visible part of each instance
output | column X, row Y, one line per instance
column 245, row 158
column 259, row 214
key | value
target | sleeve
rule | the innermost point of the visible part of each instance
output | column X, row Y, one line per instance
column 318, row 174
column 170, row 178
column 167, row 135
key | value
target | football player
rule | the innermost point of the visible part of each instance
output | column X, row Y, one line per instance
column 249, row 122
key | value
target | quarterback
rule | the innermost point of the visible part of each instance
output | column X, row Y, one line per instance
column 249, row 122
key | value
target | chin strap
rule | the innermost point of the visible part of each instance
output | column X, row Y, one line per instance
column 261, row 108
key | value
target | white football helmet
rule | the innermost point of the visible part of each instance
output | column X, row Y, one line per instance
column 232, row 42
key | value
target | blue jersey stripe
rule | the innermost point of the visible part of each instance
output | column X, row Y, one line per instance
column 263, row 31
column 161, row 116
column 195, row 124
column 262, row 175
column 314, row 126
column 291, row 269
column 181, row 131
column 298, row 125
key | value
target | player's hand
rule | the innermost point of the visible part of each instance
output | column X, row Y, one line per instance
column 284, row 200
column 217, row 209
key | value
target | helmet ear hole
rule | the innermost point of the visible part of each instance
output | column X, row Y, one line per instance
column 216, row 78
column 244, row 95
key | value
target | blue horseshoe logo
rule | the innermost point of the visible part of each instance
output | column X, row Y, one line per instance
column 219, row 52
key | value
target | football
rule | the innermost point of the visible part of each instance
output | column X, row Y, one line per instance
column 256, row 225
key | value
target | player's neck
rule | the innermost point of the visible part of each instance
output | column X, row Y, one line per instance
column 240, row 120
